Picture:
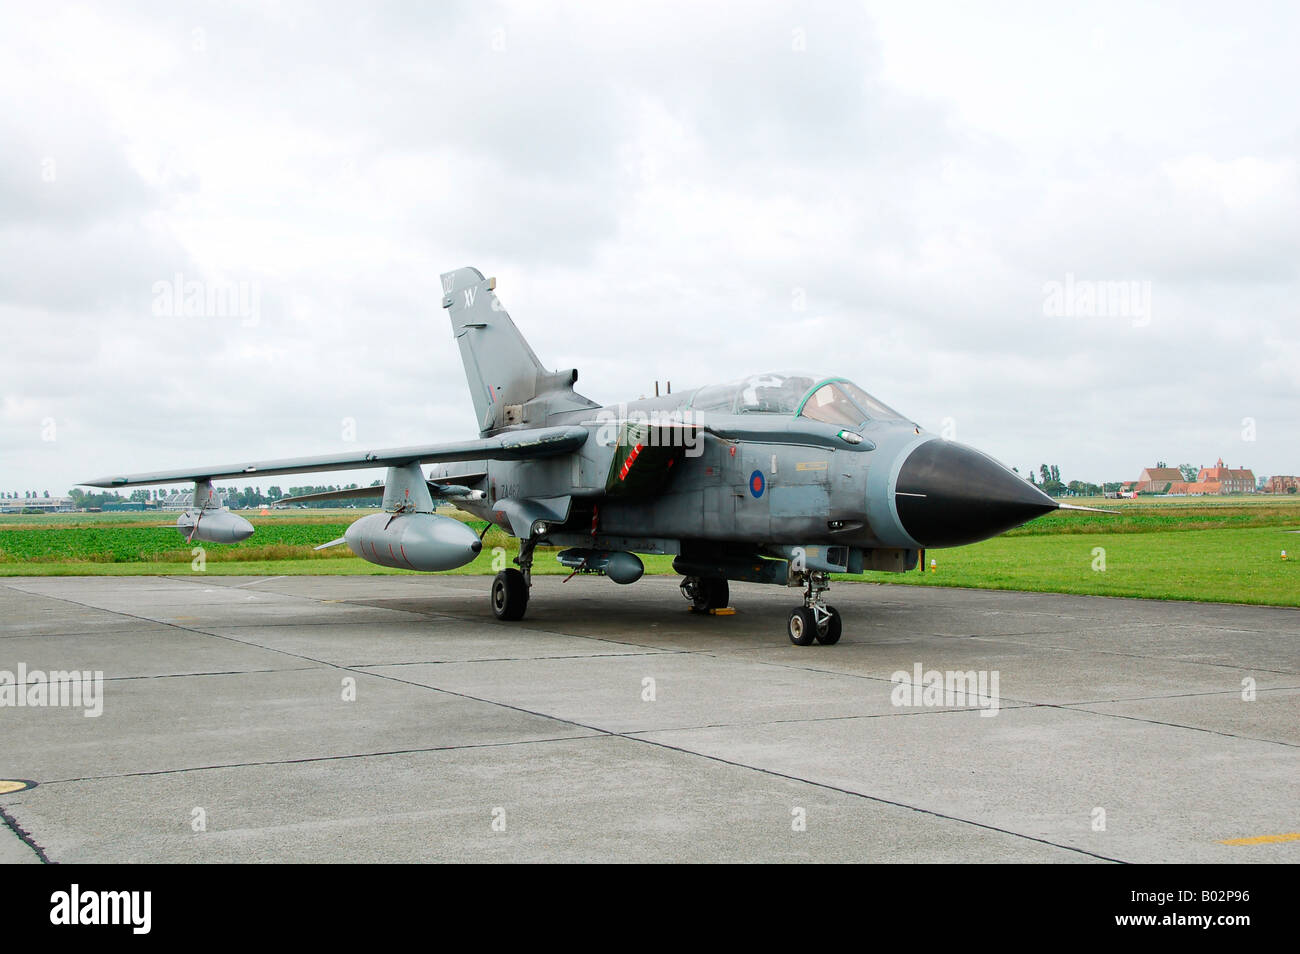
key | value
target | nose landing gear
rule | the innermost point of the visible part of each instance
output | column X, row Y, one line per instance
column 815, row 621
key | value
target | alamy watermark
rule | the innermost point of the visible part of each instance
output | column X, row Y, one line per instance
column 77, row 689
column 127, row 908
column 1082, row 298
column 623, row 427
column 948, row 688
column 190, row 298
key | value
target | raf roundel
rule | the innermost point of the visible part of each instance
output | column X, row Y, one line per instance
column 756, row 484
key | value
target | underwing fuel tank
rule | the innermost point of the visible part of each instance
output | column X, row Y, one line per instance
column 413, row 541
column 214, row 526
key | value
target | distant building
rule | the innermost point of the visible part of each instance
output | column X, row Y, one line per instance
column 1225, row 480
column 1281, row 485
column 1209, row 480
column 44, row 504
column 1156, row 480
column 183, row 500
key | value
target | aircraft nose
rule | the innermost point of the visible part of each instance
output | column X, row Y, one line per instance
column 949, row 495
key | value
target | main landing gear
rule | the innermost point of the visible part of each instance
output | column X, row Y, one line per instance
column 815, row 620
column 510, row 587
column 812, row 622
column 706, row 592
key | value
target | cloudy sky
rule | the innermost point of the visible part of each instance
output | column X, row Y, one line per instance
column 1059, row 235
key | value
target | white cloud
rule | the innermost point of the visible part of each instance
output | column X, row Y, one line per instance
column 653, row 185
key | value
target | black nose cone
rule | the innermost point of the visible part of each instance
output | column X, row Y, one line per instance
column 949, row 495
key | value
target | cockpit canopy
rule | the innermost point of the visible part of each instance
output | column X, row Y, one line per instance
column 818, row 397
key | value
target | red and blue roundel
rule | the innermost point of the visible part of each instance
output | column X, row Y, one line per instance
column 756, row 484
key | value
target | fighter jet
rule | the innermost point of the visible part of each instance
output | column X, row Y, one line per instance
column 781, row 478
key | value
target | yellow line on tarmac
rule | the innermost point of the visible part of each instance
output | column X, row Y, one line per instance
column 1263, row 839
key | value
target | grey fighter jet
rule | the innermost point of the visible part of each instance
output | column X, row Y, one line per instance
column 781, row 478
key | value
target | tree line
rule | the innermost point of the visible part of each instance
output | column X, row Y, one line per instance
column 1049, row 482
column 234, row 498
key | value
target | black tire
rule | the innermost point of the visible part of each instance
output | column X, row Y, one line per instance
column 509, row 595
column 833, row 629
column 802, row 626
column 710, row 593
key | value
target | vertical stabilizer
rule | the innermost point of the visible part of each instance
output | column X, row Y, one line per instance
column 507, row 383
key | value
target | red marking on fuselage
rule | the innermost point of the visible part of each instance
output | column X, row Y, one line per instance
column 631, row 458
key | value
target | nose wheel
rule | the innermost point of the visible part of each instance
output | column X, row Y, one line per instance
column 808, row 625
column 815, row 621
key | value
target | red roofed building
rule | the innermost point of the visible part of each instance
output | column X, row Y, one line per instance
column 1209, row 480
column 1155, row 480
column 1228, row 480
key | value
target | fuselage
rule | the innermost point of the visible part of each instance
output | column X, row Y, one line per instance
column 806, row 460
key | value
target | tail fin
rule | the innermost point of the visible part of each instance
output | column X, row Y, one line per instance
column 507, row 383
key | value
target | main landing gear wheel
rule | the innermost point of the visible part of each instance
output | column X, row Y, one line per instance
column 509, row 594
column 706, row 592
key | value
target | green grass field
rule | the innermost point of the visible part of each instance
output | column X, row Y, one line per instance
column 1224, row 550
column 1223, row 566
